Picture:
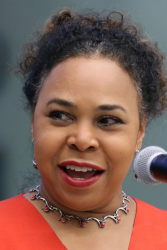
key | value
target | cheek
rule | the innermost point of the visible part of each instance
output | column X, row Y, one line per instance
column 48, row 142
column 122, row 142
column 120, row 150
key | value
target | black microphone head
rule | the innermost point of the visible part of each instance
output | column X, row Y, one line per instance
column 142, row 164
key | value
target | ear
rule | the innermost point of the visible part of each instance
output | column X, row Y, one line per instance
column 141, row 133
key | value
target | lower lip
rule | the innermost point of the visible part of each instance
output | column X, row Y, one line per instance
column 79, row 183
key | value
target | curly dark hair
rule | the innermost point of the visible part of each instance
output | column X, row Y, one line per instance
column 68, row 34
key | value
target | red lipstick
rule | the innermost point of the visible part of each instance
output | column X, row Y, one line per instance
column 80, row 183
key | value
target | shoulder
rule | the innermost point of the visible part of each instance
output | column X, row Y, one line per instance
column 12, row 220
column 12, row 210
column 16, row 212
column 150, row 227
column 11, row 204
column 150, row 212
column 23, row 227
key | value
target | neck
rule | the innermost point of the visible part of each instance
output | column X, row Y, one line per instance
column 81, row 219
column 84, row 206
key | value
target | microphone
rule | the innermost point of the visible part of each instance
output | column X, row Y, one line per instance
column 150, row 165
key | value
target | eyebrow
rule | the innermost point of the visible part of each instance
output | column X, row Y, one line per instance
column 61, row 102
column 105, row 107
column 110, row 107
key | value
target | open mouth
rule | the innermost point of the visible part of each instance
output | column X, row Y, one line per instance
column 80, row 173
column 79, row 176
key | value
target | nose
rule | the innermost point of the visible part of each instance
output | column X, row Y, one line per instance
column 83, row 138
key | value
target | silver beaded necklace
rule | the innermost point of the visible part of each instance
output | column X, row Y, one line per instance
column 82, row 222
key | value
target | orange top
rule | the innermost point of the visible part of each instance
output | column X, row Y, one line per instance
column 150, row 228
column 22, row 227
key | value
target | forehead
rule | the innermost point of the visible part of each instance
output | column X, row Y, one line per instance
column 94, row 79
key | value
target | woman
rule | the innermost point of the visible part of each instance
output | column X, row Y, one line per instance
column 92, row 83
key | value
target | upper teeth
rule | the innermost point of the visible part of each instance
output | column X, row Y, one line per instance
column 78, row 169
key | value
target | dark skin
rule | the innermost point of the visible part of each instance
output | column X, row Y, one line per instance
column 100, row 125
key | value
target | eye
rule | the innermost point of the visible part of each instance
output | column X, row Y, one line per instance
column 60, row 116
column 105, row 121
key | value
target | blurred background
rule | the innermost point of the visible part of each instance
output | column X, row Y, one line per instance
column 18, row 20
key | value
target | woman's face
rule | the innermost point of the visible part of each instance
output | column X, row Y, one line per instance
column 86, row 116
